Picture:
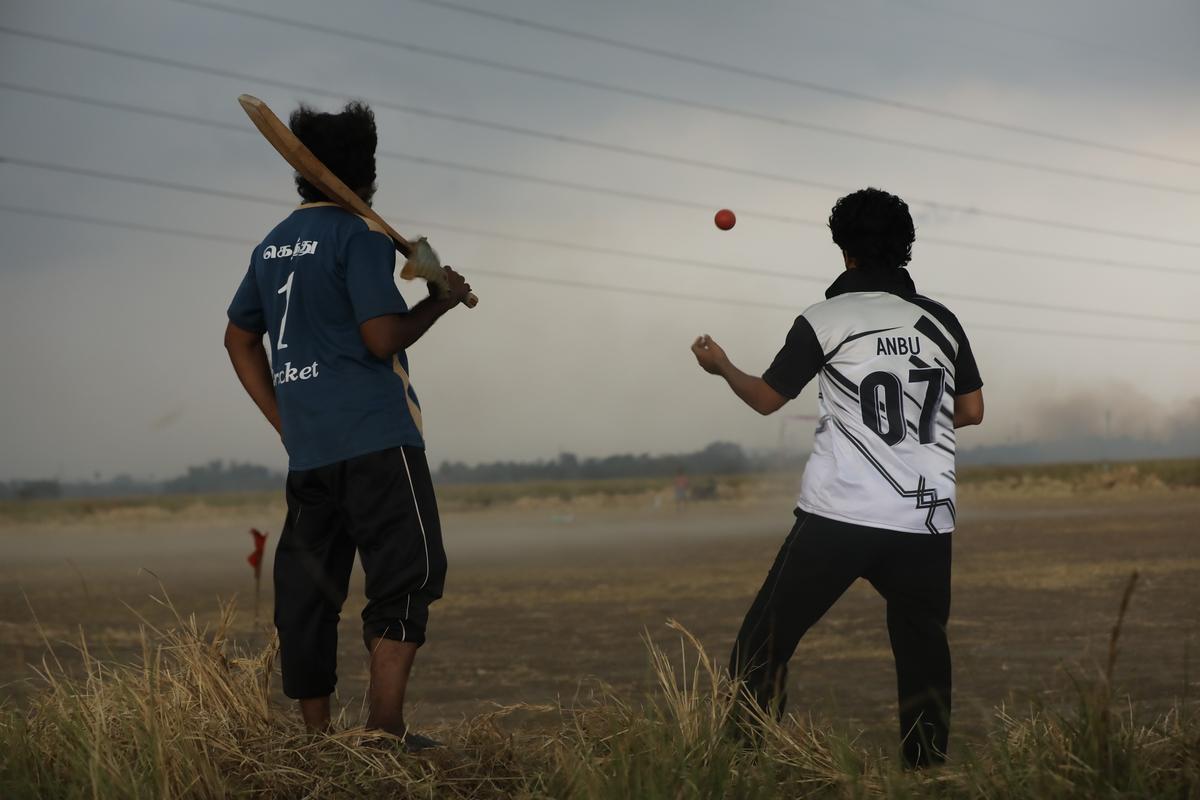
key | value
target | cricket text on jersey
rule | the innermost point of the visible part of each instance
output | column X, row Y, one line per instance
column 889, row 363
column 312, row 282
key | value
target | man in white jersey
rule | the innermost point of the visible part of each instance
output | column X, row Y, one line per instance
column 896, row 377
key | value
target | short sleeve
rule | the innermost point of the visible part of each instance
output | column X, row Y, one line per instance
column 966, row 371
column 246, row 309
column 370, row 276
column 800, row 359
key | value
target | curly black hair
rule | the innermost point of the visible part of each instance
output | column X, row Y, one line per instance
column 874, row 228
column 344, row 142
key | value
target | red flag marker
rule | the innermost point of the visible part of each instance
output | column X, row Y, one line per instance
column 255, row 560
column 260, row 544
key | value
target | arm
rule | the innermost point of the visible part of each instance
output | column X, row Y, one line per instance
column 754, row 391
column 249, row 359
column 968, row 408
column 388, row 334
column 968, row 402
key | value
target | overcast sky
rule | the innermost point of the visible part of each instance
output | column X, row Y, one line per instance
column 112, row 361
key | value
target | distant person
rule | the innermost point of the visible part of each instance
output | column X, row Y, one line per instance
column 336, row 388
column 682, row 488
column 877, row 499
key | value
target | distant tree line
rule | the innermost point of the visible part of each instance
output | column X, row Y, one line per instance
column 217, row 476
column 719, row 458
column 30, row 490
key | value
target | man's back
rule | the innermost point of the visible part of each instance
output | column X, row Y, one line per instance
column 315, row 278
column 896, row 377
column 883, row 454
column 334, row 384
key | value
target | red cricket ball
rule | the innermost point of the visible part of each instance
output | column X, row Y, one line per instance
column 725, row 219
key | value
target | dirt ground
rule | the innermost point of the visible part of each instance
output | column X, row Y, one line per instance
column 542, row 603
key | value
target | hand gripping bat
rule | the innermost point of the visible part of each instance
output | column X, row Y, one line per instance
column 422, row 261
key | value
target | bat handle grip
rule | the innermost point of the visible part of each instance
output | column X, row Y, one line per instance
column 471, row 300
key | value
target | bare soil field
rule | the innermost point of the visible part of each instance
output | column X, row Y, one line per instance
column 545, row 599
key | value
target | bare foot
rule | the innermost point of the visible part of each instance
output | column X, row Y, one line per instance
column 391, row 662
column 315, row 712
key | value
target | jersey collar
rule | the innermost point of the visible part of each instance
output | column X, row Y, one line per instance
column 892, row 281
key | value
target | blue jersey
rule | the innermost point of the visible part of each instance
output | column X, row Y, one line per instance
column 317, row 276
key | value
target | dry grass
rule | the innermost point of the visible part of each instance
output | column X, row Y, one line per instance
column 193, row 719
column 1081, row 479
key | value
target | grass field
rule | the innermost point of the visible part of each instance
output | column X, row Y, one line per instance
column 1043, row 478
column 540, row 675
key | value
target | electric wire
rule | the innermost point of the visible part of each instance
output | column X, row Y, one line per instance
column 614, row 88
column 625, row 194
column 654, row 155
column 836, row 91
column 226, row 194
column 577, row 284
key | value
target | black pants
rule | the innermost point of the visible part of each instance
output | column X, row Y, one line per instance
column 382, row 505
column 817, row 563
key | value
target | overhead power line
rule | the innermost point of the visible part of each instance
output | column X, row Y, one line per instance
column 677, row 101
column 571, row 283
column 630, row 151
column 741, row 114
column 206, row 191
column 574, row 185
column 125, row 225
column 787, row 219
column 654, row 155
column 788, row 80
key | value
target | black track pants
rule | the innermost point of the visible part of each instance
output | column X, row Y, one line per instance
column 817, row 563
column 382, row 506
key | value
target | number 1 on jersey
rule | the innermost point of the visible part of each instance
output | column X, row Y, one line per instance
column 286, row 291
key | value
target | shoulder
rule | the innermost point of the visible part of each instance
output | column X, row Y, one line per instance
column 802, row 329
column 347, row 230
column 282, row 229
column 332, row 217
column 371, row 225
column 349, row 222
column 823, row 310
column 345, row 222
column 829, row 323
column 848, row 313
column 847, row 303
column 361, row 232
column 941, row 314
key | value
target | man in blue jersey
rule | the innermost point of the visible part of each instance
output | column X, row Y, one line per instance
column 897, row 377
column 335, row 386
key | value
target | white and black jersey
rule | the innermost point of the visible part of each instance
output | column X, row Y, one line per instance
column 890, row 362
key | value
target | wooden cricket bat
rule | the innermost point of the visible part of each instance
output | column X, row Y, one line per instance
column 421, row 261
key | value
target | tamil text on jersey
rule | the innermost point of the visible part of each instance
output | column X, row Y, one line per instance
column 290, row 250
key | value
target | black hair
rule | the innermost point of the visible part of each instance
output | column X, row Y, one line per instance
column 874, row 228
column 344, row 142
